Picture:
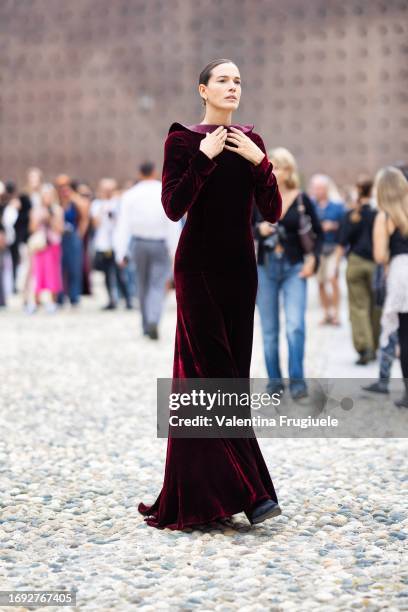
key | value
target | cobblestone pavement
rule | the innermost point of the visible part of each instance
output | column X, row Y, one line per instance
column 78, row 452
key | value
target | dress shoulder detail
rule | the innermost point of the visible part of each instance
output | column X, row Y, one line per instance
column 177, row 127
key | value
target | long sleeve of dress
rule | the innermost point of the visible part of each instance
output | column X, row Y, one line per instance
column 267, row 196
column 183, row 176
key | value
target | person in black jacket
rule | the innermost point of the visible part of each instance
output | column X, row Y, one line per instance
column 355, row 240
column 23, row 204
column 284, row 268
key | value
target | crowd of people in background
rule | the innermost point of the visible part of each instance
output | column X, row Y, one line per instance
column 53, row 234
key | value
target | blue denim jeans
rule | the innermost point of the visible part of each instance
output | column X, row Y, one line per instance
column 72, row 265
column 279, row 275
column 387, row 356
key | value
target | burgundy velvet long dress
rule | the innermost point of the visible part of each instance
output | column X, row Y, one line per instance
column 216, row 283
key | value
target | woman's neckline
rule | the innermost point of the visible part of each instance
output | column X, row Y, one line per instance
column 291, row 204
column 203, row 128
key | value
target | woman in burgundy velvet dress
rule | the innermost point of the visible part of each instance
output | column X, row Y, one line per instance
column 215, row 171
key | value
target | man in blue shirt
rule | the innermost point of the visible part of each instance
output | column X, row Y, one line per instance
column 330, row 214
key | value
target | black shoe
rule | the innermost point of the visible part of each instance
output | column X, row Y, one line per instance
column 129, row 306
column 275, row 387
column 109, row 307
column 299, row 393
column 366, row 357
column 152, row 332
column 265, row 510
column 377, row 387
column 403, row 402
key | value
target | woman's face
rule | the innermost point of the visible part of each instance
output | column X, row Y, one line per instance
column 34, row 179
column 85, row 191
column 63, row 187
column 319, row 190
column 107, row 188
column 224, row 87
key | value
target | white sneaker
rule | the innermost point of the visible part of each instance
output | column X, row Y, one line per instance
column 30, row 308
column 51, row 307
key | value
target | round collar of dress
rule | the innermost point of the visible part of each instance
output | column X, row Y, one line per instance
column 203, row 128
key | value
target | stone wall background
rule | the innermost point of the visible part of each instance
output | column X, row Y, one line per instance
column 90, row 87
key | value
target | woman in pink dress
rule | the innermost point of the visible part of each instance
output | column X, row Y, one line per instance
column 47, row 225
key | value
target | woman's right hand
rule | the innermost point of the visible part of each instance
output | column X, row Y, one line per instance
column 213, row 143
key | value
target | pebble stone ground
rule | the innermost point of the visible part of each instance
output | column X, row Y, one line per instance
column 78, row 452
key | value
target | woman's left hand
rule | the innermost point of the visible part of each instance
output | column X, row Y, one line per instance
column 244, row 146
column 308, row 267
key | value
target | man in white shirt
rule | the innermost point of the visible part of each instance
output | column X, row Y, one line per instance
column 104, row 213
column 104, row 210
column 8, row 218
column 144, row 230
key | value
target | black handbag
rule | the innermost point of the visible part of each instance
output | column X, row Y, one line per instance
column 306, row 234
column 98, row 263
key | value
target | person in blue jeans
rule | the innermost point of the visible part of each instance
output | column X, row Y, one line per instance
column 387, row 356
column 330, row 214
column 72, row 253
column 283, row 269
column 75, row 222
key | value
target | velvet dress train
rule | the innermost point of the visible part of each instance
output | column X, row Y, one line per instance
column 216, row 280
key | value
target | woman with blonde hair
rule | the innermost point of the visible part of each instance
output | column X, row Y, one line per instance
column 47, row 225
column 390, row 236
column 283, row 267
column 34, row 183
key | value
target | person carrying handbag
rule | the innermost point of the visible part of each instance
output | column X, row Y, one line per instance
column 46, row 225
column 287, row 255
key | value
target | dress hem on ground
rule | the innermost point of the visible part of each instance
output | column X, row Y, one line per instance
column 152, row 521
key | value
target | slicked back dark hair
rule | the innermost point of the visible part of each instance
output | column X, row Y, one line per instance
column 207, row 71
column 364, row 187
column 146, row 168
